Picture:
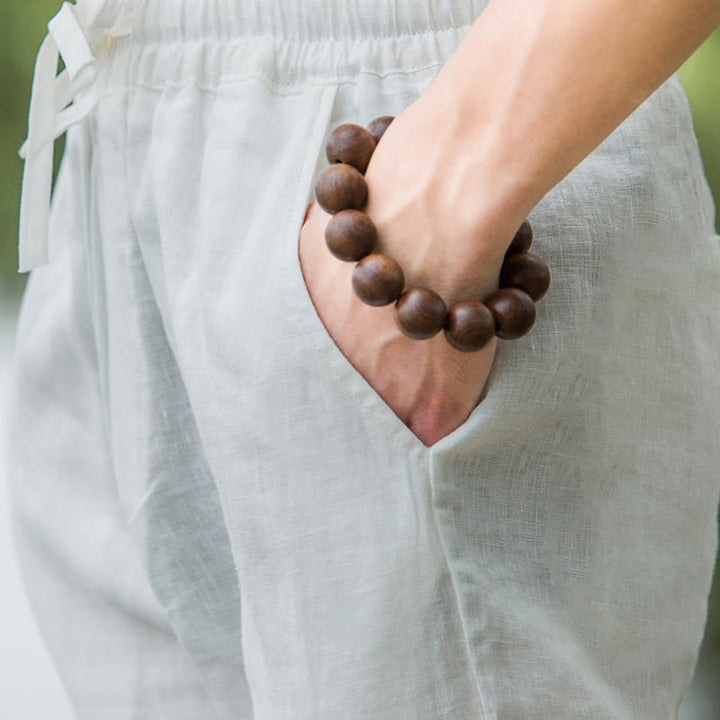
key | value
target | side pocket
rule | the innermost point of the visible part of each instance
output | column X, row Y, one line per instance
column 320, row 325
column 314, row 158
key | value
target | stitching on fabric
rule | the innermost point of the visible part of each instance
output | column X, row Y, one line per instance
column 90, row 253
column 453, row 581
column 272, row 86
column 131, row 41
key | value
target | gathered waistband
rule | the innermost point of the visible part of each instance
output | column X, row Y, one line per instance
column 298, row 21
column 289, row 42
column 116, row 45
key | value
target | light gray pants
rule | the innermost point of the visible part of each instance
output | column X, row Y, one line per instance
column 218, row 516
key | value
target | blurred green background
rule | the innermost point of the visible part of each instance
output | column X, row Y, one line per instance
column 700, row 76
column 22, row 27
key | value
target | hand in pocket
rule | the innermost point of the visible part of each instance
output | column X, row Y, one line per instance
column 431, row 386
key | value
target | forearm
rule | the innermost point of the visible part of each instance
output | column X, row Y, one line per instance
column 536, row 85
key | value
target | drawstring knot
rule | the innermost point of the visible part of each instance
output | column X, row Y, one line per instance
column 81, row 34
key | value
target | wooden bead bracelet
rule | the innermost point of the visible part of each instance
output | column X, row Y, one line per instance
column 377, row 279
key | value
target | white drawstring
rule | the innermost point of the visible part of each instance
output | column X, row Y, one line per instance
column 76, row 35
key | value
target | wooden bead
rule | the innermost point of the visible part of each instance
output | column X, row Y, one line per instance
column 514, row 312
column 351, row 144
column 340, row 187
column 378, row 279
column 379, row 125
column 420, row 313
column 469, row 326
column 350, row 235
column 526, row 272
column 522, row 240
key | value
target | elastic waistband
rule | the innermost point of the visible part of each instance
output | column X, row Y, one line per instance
column 111, row 45
column 290, row 42
column 298, row 20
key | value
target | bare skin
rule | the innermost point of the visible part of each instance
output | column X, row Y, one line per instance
column 532, row 89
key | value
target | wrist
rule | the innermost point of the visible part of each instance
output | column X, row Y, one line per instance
column 486, row 177
column 441, row 204
column 470, row 316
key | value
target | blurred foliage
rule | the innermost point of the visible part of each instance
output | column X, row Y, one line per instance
column 23, row 25
column 22, row 28
column 701, row 77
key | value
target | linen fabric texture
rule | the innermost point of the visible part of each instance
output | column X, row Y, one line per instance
column 218, row 517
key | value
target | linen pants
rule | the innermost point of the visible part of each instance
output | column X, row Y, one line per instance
column 216, row 514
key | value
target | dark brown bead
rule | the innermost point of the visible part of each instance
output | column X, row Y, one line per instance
column 351, row 144
column 514, row 312
column 378, row 279
column 379, row 125
column 522, row 241
column 420, row 313
column 469, row 326
column 526, row 272
column 350, row 235
column 340, row 187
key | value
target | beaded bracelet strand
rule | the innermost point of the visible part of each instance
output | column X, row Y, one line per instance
column 378, row 280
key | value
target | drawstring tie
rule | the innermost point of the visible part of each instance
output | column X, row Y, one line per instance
column 82, row 34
